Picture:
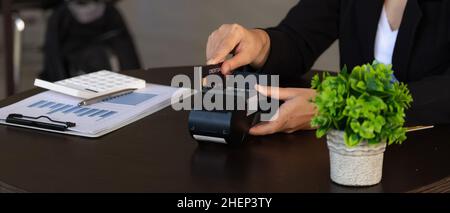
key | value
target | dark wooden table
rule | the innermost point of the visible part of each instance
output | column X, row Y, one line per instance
column 157, row 154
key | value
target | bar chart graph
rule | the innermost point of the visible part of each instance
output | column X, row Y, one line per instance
column 54, row 108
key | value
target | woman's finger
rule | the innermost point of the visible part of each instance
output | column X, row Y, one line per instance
column 277, row 92
column 236, row 61
column 224, row 48
column 265, row 128
column 270, row 127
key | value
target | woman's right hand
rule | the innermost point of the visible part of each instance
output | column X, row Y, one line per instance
column 248, row 46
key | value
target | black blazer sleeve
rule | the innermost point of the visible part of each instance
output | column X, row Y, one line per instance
column 307, row 31
column 431, row 103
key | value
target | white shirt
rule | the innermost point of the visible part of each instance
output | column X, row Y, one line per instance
column 385, row 40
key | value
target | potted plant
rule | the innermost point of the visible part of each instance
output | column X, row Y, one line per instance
column 360, row 112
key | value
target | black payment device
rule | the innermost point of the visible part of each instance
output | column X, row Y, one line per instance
column 222, row 126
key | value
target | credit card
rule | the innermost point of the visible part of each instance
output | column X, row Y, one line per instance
column 212, row 70
column 208, row 72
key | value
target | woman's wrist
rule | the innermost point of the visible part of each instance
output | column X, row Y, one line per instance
column 264, row 40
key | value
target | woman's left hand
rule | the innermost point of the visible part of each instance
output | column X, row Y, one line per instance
column 294, row 114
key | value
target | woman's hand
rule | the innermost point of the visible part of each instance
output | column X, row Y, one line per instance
column 294, row 114
column 249, row 46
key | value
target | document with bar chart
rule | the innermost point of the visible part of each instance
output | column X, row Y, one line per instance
column 97, row 119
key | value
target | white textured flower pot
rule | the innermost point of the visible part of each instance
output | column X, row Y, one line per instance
column 361, row 165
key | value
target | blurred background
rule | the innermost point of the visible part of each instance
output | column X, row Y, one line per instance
column 162, row 33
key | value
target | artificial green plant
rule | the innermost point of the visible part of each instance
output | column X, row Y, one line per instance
column 368, row 104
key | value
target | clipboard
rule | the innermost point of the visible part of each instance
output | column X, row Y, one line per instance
column 93, row 117
column 75, row 133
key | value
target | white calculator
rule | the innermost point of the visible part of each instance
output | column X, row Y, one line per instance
column 93, row 84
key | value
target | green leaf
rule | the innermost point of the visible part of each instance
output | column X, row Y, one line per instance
column 374, row 141
column 321, row 132
column 344, row 70
column 351, row 139
column 315, row 83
